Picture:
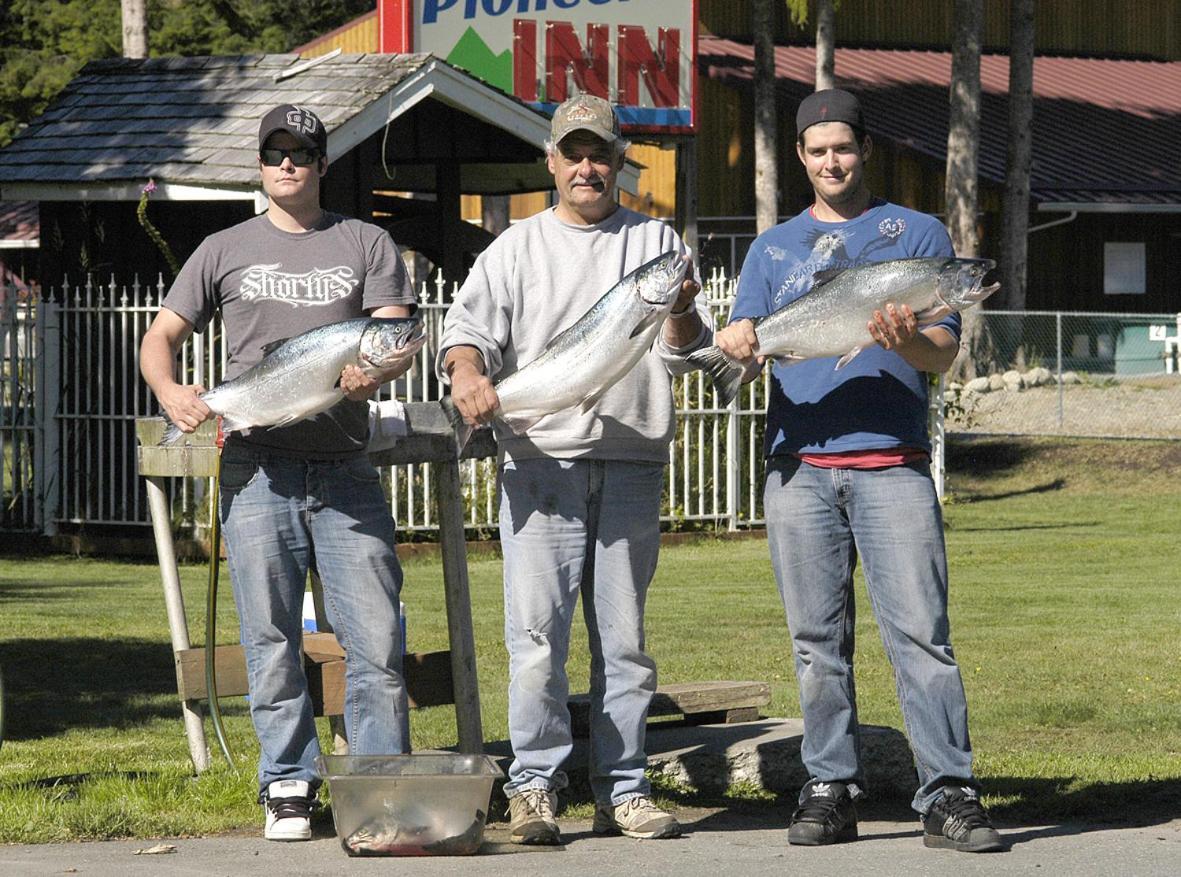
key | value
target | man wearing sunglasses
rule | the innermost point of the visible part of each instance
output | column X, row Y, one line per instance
column 305, row 493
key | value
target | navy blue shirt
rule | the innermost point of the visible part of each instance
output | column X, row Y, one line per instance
column 878, row 400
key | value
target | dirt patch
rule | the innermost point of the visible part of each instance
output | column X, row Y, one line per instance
column 1144, row 408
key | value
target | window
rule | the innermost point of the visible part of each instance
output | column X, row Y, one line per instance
column 1123, row 269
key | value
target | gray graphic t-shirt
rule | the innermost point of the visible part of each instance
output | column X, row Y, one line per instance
column 271, row 285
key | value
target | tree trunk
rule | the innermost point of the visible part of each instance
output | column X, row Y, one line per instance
column 1016, row 203
column 826, row 38
column 766, row 152
column 135, row 28
column 961, row 191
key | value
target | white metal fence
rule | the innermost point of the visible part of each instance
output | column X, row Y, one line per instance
column 70, row 392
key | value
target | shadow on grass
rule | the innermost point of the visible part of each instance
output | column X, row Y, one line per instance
column 53, row 685
column 1074, row 807
column 984, row 457
column 969, row 496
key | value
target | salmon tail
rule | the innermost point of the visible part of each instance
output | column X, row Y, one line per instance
column 463, row 431
column 172, row 433
column 725, row 374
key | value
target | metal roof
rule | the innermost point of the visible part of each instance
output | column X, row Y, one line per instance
column 191, row 123
column 1106, row 132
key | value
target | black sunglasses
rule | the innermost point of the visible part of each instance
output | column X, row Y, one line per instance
column 299, row 157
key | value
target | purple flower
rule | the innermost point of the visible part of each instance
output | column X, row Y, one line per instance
column 150, row 187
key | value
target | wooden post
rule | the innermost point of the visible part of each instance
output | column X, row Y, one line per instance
column 449, row 503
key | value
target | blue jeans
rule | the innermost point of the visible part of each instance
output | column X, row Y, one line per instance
column 818, row 522
column 280, row 515
column 570, row 527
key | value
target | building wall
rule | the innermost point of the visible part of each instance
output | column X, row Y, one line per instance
column 1140, row 29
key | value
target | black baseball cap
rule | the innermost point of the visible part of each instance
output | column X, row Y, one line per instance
column 830, row 105
column 300, row 122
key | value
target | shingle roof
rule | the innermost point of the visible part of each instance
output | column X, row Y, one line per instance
column 187, row 120
column 1105, row 131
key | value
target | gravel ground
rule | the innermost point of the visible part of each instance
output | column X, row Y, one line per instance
column 1140, row 408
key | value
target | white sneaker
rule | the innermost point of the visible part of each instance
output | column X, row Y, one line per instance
column 636, row 817
column 288, row 807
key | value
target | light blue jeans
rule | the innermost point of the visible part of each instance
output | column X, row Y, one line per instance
column 279, row 516
column 818, row 522
column 570, row 527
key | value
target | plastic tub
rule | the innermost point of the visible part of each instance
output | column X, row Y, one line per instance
column 409, row 805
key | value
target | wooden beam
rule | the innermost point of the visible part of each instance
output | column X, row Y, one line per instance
column 699, row 702
column 428, row 675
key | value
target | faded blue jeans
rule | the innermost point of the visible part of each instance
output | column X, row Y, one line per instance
column 280, row 515
column 569, row 527
column 818, row 522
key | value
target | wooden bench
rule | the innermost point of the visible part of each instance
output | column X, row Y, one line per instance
column 700, row 703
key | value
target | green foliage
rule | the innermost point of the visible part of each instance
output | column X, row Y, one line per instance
column 43, row 43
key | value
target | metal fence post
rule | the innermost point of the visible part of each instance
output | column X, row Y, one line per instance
column 938, row 437
column 1058, row 367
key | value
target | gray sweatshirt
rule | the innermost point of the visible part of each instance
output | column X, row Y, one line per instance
column 536, row 280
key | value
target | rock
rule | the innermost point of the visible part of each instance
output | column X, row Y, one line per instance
column 1071, row 378
column 978, row 385
column 1012, row 380
column 1043, row 375
column 996, row 382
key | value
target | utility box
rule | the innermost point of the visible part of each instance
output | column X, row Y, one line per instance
column 1137, row 353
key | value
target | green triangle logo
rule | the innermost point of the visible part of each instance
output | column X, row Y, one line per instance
column 472, row 54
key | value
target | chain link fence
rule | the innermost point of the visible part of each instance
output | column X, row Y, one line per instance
column 1058, row 373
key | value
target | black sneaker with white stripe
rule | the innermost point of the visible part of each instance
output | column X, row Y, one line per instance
column 958, row 821
column 289, row 805
column 826, row 815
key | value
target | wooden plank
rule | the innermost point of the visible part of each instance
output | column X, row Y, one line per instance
column 700, row 703
column 428, row 674
column 428, row 682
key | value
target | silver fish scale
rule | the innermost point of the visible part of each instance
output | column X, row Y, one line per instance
column 597, row 350
column 830, row 320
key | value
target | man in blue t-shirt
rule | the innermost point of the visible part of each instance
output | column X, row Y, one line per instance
column 848, row 475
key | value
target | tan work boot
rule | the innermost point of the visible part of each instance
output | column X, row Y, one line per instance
column 531, row 818
column 636, row 817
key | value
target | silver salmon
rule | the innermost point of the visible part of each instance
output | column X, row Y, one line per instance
column 579, row 365
column 300, row 377
column 830, row 318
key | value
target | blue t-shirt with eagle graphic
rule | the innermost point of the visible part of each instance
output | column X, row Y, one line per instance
column 878, row 401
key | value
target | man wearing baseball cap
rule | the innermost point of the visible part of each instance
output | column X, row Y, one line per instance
column 293, row 493
column 848, row 476
column 580, row 491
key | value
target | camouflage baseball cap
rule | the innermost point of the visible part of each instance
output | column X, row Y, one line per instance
column 585, row 112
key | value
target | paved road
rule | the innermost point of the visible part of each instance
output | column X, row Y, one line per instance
column 717, row 843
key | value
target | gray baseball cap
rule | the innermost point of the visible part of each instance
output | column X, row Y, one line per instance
column 585, row 112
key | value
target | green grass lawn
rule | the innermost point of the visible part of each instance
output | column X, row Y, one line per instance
column 1065, row 565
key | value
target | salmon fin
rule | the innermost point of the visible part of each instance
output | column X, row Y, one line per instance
column 172, row 432
column 463, row 430
column 229, row 424
column 826, row 276
column 725, row 374
column 933, row 314
column 788, row 359
column 592, row 400
column 650, row 319
column 847, row 358
column 273, row 346
column 521, row 424
column 286, row 420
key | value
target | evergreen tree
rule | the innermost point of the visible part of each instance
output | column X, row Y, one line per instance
column 44, row 43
